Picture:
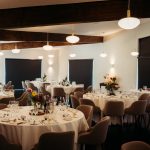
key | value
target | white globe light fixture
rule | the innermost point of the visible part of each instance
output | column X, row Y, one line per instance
column 47, row 47
column 129, row 22
column 72, row 39
column 15, row 51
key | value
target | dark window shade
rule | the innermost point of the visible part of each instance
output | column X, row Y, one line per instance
column 18, row 70
column 144, row 62
column 144, row 47
column 144, row 72
column 81, row 71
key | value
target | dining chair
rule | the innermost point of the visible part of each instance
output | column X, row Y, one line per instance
column 137, row 111
column 5, row 145
column 81, row 89
column 135, row 145
column 148, row 113
column 58, row 92
column 78, row 94
column 6, row 100
column 74, row 101
column 56, row 141
column 8, row 86
column 88, row 89
column 88, row 113
column 114, row 108
column 2, row 106
column 96, row 109
column 23, row 99
column 96, row 135
column 144, row 96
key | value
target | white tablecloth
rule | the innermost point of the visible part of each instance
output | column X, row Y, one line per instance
column 100, row 99
column 6, row 94
column 27, row 134
column 38, row 84
column 67, row 89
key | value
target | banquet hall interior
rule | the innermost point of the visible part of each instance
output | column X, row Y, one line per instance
column 75, row 75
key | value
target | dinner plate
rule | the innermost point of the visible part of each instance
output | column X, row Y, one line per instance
column 5, row 120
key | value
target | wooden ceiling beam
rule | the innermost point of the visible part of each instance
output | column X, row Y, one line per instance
column 7, row 35
column 26, row 45
column 72, row 13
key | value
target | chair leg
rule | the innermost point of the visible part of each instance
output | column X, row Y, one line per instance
column 81, row 147
column 143, row 117
column 99, row 147
column 121, row 120
column 148, row 124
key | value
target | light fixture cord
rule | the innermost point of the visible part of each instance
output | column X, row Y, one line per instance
column 15, row 46
column 72, row 29
column 128, row 4
column 128, row 11
column 47, row 39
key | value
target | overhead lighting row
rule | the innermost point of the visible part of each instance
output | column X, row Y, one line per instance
column 71, row 39
column 125, row 23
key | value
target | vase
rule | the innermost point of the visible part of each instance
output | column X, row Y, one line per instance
column 111, row 92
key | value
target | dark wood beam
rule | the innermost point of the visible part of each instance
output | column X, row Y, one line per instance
column 27, row 45
column 72, row 13
column 7, row 35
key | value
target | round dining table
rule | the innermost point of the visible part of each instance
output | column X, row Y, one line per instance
column 23, row 125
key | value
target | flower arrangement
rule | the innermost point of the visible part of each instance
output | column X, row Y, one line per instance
column 111, row 84
column 44, row 78
column 65, row 82
column 33, row 95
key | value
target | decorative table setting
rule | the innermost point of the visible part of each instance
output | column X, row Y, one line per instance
column 24, row 125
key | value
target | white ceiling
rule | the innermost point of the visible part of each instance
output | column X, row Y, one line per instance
column 25, row 3
column 95, row 28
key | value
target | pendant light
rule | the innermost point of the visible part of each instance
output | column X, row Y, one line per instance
column 103, row 54
column 47, row 47
column 72, row 38
column 15, row 50
column 129, row 22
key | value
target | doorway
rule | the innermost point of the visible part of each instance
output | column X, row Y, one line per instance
column 81, row 71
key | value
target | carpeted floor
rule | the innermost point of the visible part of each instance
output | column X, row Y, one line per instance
column 117, row 136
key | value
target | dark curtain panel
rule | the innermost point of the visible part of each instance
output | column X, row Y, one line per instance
column 144, row 62
column 18, row 70
column 144, row 72
column 81, row 71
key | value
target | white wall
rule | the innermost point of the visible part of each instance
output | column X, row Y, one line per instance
column 49, row 65
column 117, row 47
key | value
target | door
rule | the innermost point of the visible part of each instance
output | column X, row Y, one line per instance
column 81, row 71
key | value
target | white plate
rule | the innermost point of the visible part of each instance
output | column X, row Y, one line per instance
column 5, row 120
